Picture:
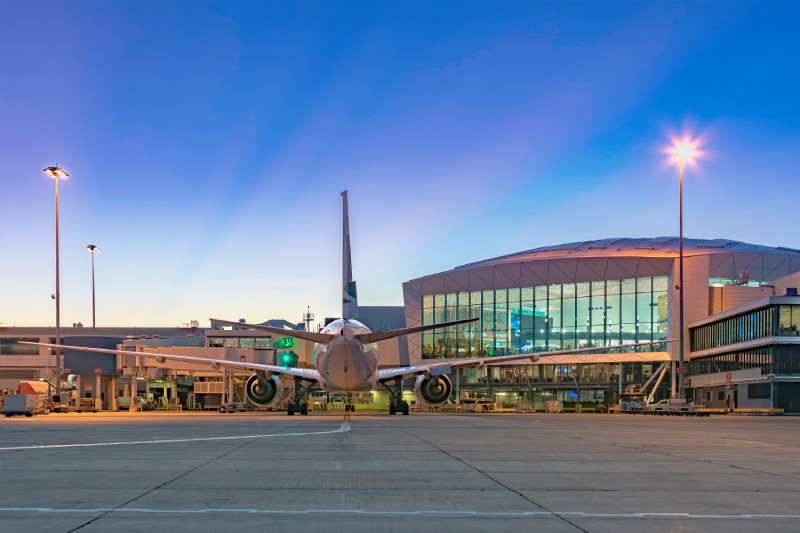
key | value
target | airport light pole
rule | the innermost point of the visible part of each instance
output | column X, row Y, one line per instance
column 93, row 248
column 682, row 153
column 57, row 173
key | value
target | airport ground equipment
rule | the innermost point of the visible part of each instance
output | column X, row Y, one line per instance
column 86, row 405
column 675, row 406
column 24, row 404
column 235, row 407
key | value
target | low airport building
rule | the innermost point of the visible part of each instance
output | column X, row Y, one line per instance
column 111, row 382
column 617, row 292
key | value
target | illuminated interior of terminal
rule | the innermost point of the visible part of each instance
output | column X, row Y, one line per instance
column 555, row 317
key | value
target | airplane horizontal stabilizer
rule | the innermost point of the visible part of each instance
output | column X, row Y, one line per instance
column 376, row 336
column 322, row 338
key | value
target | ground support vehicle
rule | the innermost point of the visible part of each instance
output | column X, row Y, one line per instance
column 24, row 404
column 675, row 407
column 85, row 405
column 235, row 407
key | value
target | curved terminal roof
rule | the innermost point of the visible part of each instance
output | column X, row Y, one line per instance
column 632, row 247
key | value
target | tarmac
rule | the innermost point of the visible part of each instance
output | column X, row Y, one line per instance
column 130, row 472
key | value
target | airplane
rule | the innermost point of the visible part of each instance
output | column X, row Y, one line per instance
column 346, row 356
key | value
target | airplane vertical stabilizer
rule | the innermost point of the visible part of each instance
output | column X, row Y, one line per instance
column 349, row 295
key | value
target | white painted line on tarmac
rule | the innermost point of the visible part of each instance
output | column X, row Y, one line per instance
column 450, row 513
column 342, row 429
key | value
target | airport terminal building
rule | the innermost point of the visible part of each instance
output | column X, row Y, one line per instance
column 742, row 325
column 605, row 293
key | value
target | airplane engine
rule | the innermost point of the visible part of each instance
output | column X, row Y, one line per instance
column 434, row 390
column 263, row 391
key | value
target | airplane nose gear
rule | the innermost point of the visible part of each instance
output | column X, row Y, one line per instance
column 397, row 404
column 300, row 392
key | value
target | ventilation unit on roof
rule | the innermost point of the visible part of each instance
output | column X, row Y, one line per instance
column 791, row 291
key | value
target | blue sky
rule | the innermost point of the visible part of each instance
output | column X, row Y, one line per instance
column 208, row 142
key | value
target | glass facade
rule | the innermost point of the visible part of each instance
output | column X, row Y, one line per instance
column 547, row 318
column 13, row 347
column 258, row 343
column 740, row 328
column 782, row 320
column 730, row 362
column 789, row 320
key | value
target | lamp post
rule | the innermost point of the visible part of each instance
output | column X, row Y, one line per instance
column 93, row 248
column 682, row 153
column 56, row 173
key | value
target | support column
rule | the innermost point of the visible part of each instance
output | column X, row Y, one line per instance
column 98, row 403
column 620, row 379
column 113, row 385
column 134, row 393
column 672, row 372
column 78, row 384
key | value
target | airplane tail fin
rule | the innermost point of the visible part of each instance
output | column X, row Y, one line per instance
column 349, row 295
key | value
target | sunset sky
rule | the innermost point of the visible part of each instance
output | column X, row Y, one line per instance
column 207, row 143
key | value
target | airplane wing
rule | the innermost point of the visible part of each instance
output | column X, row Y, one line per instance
column 445, row 366
column 216, row 364
column 321, row 338
column 376, row 336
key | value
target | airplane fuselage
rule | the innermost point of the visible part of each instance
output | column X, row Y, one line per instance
column 344, row 363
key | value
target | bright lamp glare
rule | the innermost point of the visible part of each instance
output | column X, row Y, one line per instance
column 684, row 151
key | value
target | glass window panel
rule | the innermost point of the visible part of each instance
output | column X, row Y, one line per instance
column 660, row 284
column 582, row 290
column 568, row 290
column 568, row 313
column 628, row 286
column 527, row 294
column 613, row 287
column 613, row 308
column 644, row 308
column 644, row 285
column 427, row 316
column 540, row 296
column 554, row 309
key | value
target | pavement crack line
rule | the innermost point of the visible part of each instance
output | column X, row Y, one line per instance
column 694, row 459
column 481, row 472
column 343, row 428
column 118, row 507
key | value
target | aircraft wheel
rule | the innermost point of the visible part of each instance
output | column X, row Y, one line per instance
column 392, row 409
column 290, row 409
column 304, row 409
column 405, row 409
column 222, row 409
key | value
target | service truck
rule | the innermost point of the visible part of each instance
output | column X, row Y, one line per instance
column 23, row 404
column 674, row 406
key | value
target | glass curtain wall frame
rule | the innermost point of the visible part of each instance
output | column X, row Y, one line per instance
column 547, row 318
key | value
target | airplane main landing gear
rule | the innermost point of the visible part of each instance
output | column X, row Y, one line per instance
column 298, row 405
column 293, row 408
column 396, row 404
